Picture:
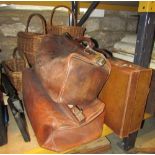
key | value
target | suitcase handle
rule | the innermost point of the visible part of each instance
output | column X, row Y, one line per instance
column 42, row 19
column 63, row 6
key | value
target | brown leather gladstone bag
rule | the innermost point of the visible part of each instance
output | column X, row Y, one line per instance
column 60, row 94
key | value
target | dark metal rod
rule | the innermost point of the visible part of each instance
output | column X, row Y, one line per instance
column 129, row 142
column 75, row 11
column 145, row 39
column 73, row 8
column 88, row 12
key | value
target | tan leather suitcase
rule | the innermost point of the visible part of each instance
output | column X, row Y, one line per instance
column 124, row 95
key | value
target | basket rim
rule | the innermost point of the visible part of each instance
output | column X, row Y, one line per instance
column 70, row 27
column 30, row 34
column 15, row 73
column 8, row 69
column 7, row 66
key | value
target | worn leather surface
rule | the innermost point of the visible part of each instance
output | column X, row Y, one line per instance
column 124, row 95
column 61, row 93
column 52, row 126
column 64, row 65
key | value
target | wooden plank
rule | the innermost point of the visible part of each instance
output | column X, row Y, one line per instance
column 98, row 146
column 146, row 6
column 83, row 4
column 147, row 115
column 146, row 142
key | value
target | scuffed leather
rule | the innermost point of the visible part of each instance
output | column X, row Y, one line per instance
column 52, row 126
column 61, row 93
column 68, row 73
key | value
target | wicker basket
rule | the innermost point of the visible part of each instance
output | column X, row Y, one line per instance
column 29, row 42
column 74, row 31
column 14, row 68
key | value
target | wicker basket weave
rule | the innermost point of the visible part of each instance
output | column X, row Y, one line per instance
column 74, row 31
column 29, row 42
column 14, row 68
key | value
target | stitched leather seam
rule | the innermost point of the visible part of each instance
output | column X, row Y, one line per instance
column 127, row 99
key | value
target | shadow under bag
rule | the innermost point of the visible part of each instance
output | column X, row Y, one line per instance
column 60, row 94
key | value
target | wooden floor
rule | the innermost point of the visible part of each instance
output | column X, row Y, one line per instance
column 146, row 138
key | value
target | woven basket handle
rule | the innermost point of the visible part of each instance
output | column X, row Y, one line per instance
column 14, row 55
column 42, row 19
column 63, row 6
column 88, row 40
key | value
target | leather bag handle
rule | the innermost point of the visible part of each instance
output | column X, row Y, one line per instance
column 88, row 40
column 98, row 58
column 62, row 6
column 44, row 25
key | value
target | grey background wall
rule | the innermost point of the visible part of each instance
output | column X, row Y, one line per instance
column 106, row 30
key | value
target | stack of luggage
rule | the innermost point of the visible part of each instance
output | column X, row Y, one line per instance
column 70, row 88
column 61, row 93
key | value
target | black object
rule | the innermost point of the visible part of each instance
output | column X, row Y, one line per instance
column 15, row 105
column 129, row 142
column 75, row 11
column 88, row 12
column 145, row 39
column 105, row 52
column 3, row 124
